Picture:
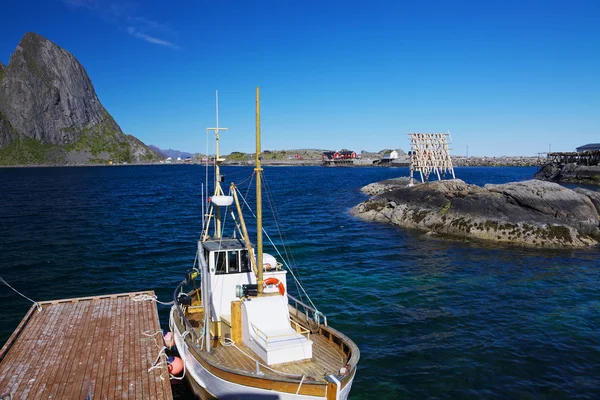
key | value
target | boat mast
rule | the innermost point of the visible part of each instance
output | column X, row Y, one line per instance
column 258, row 169
column 218, row 190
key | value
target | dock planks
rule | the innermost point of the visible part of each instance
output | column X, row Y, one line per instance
column 90, row 346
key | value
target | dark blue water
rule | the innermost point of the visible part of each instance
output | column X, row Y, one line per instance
column 433, row 318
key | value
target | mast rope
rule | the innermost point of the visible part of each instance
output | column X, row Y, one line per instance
column 298, row 284
column 289, row 256
column 39, row 308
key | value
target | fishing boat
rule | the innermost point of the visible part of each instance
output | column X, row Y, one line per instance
column 239, row 331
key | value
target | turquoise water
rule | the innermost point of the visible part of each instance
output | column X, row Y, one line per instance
column 433, row 318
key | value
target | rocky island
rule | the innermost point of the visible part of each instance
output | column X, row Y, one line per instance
column 570, row 173
column 50, row 113
column 529, row 213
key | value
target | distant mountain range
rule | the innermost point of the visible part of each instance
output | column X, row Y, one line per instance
column 171, row 153
column 50, row 113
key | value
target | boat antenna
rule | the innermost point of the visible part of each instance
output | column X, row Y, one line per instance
column 218, row 177
column 258, row 169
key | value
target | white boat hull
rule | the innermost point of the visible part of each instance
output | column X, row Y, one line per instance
column 223, row 389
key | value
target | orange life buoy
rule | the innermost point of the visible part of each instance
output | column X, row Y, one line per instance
column 275, row 281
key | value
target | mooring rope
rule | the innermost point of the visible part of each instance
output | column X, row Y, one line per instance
column 157, row 364
column 146, row 297
column 39, row 308
column 153, row 336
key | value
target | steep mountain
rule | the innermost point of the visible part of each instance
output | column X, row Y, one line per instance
column 50, row 113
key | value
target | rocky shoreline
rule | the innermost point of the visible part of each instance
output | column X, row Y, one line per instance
column 504, row 161
column 473, row 162
column 530, row 213
column 570, row 173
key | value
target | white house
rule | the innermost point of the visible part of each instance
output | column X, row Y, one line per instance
column 391, row 156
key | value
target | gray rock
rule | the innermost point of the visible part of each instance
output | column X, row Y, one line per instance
column 530, row 213
column 46, row 95
column 586, row 174
column 385, row 186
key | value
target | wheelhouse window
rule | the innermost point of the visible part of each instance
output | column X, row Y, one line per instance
column 234, row 262
column 245, row 261
column 231, row 262
column 220, row 262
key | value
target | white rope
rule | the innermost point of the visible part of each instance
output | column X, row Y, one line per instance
column 182, row 376
column 300, row 385
column 200, row 340
column 153, row 335
column 146, row 297
column 157, row 364
column 164, row 363
column 281, row 256
column 39, row 308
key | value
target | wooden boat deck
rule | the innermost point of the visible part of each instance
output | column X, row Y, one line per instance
column 92, row 346
column 327, row 357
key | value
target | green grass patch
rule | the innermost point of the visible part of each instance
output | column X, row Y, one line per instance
column 102, row 138
column 24, row 150
column 237, row 156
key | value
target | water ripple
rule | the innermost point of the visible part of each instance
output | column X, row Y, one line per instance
column 433, row 318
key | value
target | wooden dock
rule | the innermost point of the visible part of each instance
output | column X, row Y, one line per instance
column 86, row 348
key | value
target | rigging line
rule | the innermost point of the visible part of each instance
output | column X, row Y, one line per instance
column 283, row 237
column 238, row 228
column 195, row 260
column 250, row 183
column 39, row 308
column 290, row 263
column 246, row 180
column 282, row 258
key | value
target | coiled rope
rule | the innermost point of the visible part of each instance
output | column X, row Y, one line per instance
column 146, row 297
column 39, row 308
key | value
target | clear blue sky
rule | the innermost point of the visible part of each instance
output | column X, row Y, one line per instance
column 504, row 77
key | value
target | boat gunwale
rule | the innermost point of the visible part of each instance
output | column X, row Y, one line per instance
column 308, row 387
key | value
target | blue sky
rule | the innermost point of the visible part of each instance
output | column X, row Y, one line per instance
column 504, row 77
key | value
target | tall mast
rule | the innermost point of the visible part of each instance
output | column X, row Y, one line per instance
column 258, row 169
column 218, row 190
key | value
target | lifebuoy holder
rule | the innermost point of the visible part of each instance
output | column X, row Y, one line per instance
column 275, row 281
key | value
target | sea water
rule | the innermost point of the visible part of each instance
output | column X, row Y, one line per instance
column 434, row 318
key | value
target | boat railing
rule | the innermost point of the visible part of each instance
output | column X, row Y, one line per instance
column 305, row 308
column 300, row 329
column 181, row 315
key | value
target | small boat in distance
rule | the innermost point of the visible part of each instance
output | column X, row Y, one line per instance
column 240, row 333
